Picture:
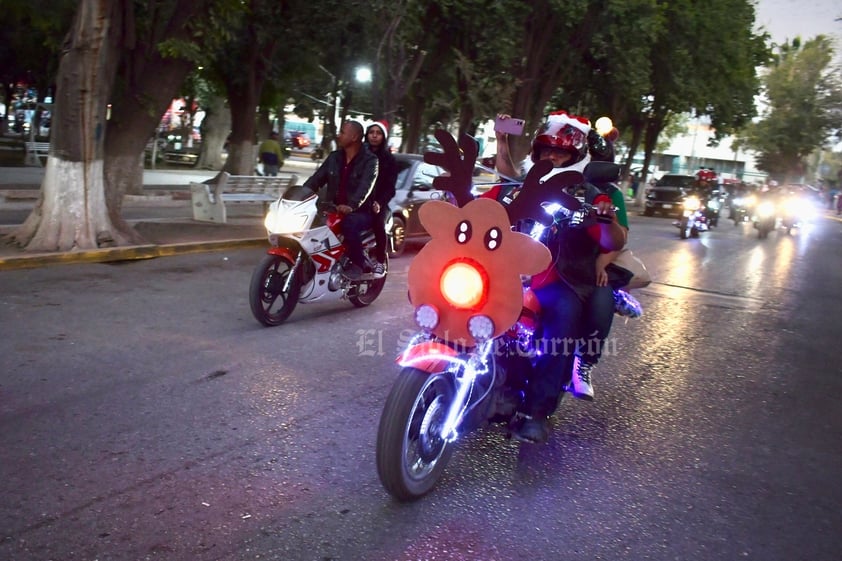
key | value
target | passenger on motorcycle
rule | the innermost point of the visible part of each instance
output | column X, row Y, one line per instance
column 375, row 136
column 350, row 173
column 566, row 290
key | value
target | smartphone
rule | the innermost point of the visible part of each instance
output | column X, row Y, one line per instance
column 510, row 125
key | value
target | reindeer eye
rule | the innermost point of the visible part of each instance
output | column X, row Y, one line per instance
column 493, row 237
column 463, row 232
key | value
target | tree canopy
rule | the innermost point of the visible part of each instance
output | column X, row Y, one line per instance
column 435, row 63
column 802, row 108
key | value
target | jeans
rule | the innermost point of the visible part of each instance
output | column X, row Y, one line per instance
column 353, row 225
column 561, row 317
column 598, row 317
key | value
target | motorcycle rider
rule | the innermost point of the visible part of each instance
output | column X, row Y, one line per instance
column 566, row 290
column 350, row 173
column 384, row 190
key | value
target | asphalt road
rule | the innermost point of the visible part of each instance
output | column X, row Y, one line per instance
column 144, row 414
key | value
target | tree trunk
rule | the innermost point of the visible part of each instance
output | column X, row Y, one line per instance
column 215, row 128
column 72, row 212
column 150, row 81
column 241, row 157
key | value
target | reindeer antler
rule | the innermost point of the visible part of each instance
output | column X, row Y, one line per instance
column 527, row 203
column 459, row 161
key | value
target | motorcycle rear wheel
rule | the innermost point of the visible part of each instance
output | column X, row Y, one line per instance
column 364, row 293
column 270, row 304
column 411, row 454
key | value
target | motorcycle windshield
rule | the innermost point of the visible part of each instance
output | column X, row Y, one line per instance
column 297, row 193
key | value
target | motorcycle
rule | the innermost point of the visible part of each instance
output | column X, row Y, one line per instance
column 796, row 211
column 741, row 208
column 693, row 218
column 306, row 260
column 765, row 218
column 468, row 366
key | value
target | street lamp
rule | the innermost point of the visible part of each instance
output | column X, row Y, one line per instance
column 363, row 74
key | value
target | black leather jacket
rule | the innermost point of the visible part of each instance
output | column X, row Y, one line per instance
column 384, row 190
column 361, row 178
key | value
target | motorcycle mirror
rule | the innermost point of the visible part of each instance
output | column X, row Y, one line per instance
column 602, row 172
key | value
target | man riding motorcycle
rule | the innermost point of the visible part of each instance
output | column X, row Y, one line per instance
column 566, row 288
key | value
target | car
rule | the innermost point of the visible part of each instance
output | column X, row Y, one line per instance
column 666, row 195
column 413, row 188
column 297, row 139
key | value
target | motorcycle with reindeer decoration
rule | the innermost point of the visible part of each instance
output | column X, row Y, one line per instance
column 480, row 326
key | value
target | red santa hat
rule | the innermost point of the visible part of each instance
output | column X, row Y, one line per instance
column 384, row 126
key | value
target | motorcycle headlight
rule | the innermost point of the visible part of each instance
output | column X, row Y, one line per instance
column 464, row 284
column 284, row 223
column 692, row 203
column 765, row 210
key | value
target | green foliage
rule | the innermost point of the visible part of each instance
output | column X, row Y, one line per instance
column 803, row 102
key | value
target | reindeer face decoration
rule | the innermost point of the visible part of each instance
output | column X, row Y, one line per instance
column 465, row 283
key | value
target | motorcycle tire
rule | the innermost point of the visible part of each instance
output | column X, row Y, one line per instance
column 270, row 305
column 683, row 230
column 363, row 293
column 411, row 455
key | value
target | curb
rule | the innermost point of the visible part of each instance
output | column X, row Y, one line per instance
column 126, row 253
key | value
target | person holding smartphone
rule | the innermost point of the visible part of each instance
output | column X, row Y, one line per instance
column 567, row 290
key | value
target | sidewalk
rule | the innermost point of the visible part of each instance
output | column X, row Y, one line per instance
column 166, row 224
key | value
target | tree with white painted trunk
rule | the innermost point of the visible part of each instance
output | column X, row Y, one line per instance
column 120, row 65
column 72, row 212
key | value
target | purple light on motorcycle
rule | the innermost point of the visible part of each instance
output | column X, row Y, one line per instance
column 481, row 327
column 427, row 317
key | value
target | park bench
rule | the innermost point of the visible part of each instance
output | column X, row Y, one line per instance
column 34, row 152
column 211, row 197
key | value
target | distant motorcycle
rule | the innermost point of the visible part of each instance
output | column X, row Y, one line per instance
column 693, row 219
column 741, row 208
column 306, row 260
column 796, row 211
column 765, row 218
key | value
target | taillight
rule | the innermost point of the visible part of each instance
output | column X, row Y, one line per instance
column 464, row 284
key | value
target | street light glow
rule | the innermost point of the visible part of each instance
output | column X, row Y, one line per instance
column 363, row 74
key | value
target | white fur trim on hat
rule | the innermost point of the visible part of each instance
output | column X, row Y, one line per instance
column 568, row 120
column 384, row 126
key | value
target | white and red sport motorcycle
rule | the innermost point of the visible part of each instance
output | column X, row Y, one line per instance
column 306, row 260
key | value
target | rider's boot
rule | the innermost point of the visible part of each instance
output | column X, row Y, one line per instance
column 531, row 429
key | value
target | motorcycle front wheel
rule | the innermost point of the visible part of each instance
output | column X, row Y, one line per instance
column 411, row 454
column 683, row 228
column 270, row 304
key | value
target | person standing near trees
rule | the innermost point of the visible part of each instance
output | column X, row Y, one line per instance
column 271, row 155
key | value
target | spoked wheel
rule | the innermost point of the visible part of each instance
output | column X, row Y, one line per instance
column 363, row 293
column 411, row 455
column 398, row 236
column 270, row 304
